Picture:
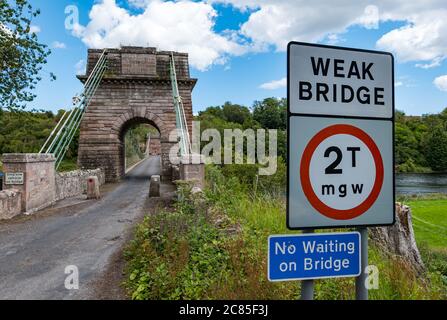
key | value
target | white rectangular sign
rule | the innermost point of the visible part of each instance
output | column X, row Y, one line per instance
column 340, row 137
column 327, row 80
column 14, row 178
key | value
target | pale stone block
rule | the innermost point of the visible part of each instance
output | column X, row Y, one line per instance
column 93, row 188
column 154, row 187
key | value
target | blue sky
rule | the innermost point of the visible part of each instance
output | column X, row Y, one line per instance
column 237, row 46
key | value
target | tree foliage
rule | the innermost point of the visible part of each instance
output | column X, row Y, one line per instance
column 418, row 146
column 271, row 113
column 229, row 112
column 419, row 142
column 21, row 54
column 437, row 149
column 267, row 114
column 26, row 132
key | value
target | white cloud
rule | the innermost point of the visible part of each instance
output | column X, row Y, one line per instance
column 34, row 29
column 185, row 26
column 436, row 62
column 80, row 67
column 58, row 45
column 334, row 38
column 441, row 82
column 423, row 39
column 188, row 26
column 276, row 22
column 398, row 84
column 275, row 84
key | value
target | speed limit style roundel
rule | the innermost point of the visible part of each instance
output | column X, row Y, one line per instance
column 341, row 172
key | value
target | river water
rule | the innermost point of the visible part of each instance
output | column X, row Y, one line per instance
column 420, row 183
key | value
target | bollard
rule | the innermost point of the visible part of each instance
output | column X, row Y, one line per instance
column 154, row 187
column 93, row 188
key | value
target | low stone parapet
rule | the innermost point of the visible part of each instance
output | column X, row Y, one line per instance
column 74, row 183
column 31, row 183
column 10, row 204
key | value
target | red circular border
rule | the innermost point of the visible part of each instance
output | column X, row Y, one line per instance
column 305, row 178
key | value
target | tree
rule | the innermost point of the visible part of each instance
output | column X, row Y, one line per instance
column 229, row 112
column 235, row 113
column 406, row 144
column 437, row 149
column 271, row 113
column 21, row 54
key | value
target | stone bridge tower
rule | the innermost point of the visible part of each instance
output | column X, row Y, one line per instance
column 135, row 89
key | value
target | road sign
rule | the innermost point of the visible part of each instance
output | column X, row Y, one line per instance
column 314, row 256
column 14, row 178
column 340, row 136
column 327, row 80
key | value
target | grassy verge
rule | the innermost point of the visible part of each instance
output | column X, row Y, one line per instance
column 196, row 253
column 130, row 161
column 215, row 247
column 430, row 226
column 430, row 222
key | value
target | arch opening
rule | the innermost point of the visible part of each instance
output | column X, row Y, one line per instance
column 140, row 141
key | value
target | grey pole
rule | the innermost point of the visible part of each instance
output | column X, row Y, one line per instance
column 361, row 292
column 307, row 286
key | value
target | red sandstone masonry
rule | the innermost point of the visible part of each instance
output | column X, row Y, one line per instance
column 135, row 89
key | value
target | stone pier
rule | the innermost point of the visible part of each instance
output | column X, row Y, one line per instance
column 192, row 168
column 33, row 176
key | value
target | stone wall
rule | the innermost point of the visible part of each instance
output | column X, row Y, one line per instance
column 10, row 204
column 40, row 186
column 74, row 183
column 136, row 89
column 154, row 146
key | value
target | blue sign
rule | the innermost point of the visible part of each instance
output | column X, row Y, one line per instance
column 314, row 256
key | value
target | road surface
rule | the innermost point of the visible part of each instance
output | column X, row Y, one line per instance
column 35, row 253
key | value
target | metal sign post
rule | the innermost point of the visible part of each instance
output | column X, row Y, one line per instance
column 361, row 291
column 307, row 286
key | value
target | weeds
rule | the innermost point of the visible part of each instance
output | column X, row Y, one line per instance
column 214, row 246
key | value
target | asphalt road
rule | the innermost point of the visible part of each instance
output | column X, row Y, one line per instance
column 35, row 253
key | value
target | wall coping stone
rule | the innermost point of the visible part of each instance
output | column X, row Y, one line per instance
column 27, row 157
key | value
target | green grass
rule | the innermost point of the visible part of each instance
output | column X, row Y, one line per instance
column 184, row 255
column 204, row 262
column 68, row 165
column 430, row 222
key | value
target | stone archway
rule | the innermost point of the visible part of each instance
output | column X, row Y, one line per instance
column 121, row 126
column 136, row 86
